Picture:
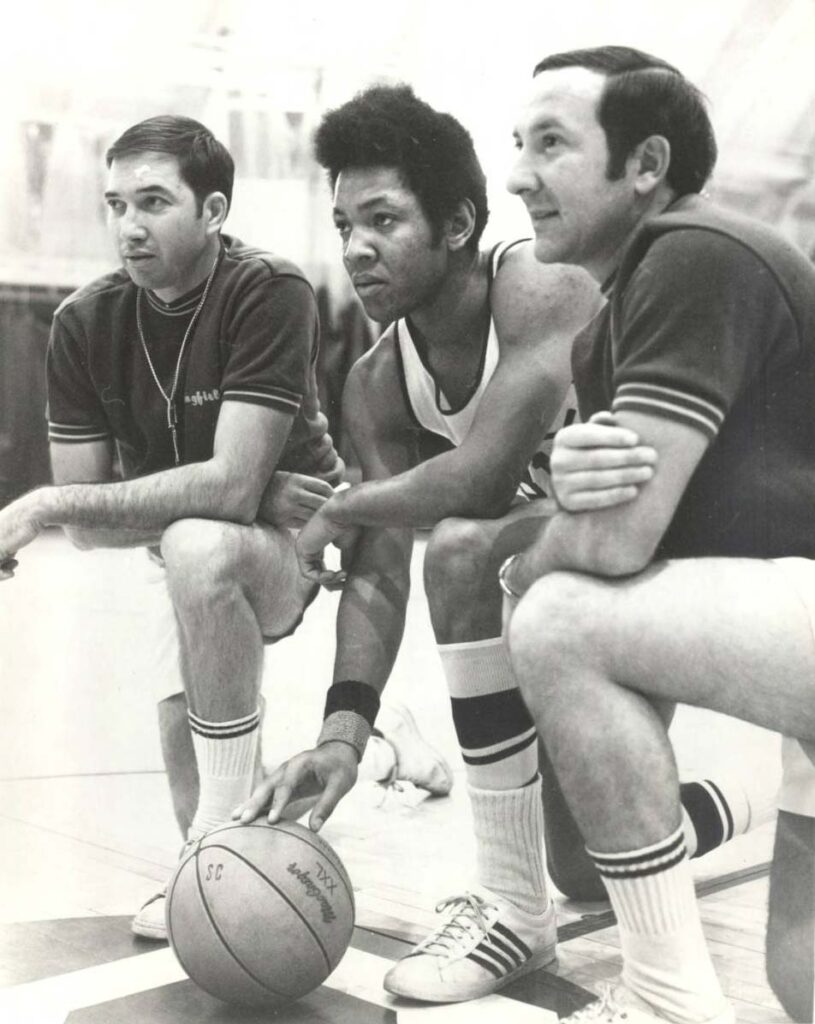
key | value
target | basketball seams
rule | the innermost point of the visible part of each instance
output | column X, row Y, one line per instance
column 279, row 891
column 224, row 944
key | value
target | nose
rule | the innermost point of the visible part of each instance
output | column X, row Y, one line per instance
column 522, row 178
column 131, row 227
column 359, row 247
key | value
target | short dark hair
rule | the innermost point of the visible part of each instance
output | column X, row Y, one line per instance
column 204, row 163
column 389, row 126
column 642, row 96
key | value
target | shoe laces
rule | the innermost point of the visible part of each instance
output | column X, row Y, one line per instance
column 606, row 1008
column 466, row 923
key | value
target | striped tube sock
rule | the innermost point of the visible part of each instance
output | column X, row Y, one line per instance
column 500, row 751
column 494, row 729
column 665, row 958
column 225, row 753
column 727, row 805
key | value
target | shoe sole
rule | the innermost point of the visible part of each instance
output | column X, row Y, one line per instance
column 543, row 958
column 146, row 932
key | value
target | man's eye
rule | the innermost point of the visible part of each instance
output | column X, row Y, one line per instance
column 383, row 220
column 549, row 140
column 154, row 203
column 342, row 229
column 115, row 205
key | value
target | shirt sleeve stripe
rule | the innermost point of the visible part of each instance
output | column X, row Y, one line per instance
column 275, row 400
column 70, row 435
column 671, row 404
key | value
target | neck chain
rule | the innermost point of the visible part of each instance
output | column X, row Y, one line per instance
column 172, row 415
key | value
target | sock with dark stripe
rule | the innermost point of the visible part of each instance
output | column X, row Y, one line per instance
column 225, row 753
column 499, row 747
column 715, row 810
column 665, row 957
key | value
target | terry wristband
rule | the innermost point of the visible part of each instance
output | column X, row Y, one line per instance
column 350, row 711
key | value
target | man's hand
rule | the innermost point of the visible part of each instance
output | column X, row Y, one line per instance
column 320, row 531
column 291, row 499
column 599, row 464
column 20, row 523
column 330, row 769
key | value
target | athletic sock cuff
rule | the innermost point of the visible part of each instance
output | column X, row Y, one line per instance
column 224, row 730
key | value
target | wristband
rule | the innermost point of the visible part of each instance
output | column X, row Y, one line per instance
column 350, row 711
column 502, row 578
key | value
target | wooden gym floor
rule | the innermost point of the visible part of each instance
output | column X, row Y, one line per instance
column 87, row 832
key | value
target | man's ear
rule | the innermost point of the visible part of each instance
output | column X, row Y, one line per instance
column 459, row 227
column 214, row 211
column 653, row 159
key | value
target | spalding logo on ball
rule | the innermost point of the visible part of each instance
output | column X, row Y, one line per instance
column 260, row 914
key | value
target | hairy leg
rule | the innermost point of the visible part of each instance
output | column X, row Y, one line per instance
column 727, row 634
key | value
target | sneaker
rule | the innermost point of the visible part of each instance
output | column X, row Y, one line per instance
column 150, row 922
column 484, row 943
column 416, row 760
column 617, row 1004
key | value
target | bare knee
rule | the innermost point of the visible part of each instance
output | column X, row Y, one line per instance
column 202, row 555
column 457, row 557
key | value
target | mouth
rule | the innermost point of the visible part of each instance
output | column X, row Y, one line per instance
column 366, row 285
column 137, row 257
column 542, row 216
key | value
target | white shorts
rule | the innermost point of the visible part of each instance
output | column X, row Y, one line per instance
column 798, row 756
column 161, row 628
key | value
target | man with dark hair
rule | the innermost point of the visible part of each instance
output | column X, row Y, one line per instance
column 476, row 359
column 195, row 363
column 702, row 590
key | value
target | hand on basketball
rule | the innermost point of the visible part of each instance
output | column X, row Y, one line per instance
column 599, row 464
column 316, row 535
column 19, row 525
column 328, row 771
column 291, row 499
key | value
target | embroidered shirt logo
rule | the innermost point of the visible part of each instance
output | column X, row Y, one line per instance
column 200, row 397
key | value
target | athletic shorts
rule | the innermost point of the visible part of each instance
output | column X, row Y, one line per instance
column 162, row 629
column 798, row 756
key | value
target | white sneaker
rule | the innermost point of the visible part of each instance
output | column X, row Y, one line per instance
column 617, row 1004
column 484, row 943
column 150, row 921
column 416, row 760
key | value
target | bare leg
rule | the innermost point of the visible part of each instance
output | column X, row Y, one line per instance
column 179, row 758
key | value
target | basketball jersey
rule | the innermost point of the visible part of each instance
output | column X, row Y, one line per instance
column 430, row 409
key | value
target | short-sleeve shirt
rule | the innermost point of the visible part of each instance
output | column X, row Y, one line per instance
column 255, row 341
column 711, row 323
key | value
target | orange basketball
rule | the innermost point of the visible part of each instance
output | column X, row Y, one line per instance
column 260, row 914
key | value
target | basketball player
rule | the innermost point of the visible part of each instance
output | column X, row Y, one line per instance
column 194, row 363
column 476, row 358
column 701, row 590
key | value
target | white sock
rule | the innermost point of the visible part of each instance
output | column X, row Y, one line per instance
column 665, row 957
column 225, row 753
column 508, row 828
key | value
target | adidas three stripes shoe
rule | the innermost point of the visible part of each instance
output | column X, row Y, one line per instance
column 483, row 943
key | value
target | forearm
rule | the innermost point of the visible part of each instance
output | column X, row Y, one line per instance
column 426, row 494
column 145, row 506
column 595, row 543
column 87, row 540
column 371, row 615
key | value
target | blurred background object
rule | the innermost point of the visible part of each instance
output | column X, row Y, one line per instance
column 260, row 73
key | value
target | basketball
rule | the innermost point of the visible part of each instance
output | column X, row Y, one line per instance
column 260, row 914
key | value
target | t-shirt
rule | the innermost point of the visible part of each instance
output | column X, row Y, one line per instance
column 254, row 341
column 711, row 323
